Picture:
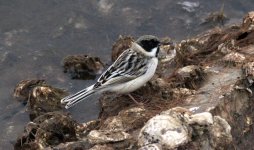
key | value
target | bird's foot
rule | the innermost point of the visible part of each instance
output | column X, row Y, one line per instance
column 135, row 101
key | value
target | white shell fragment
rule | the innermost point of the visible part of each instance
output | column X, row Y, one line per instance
column 106, row 136
column 164, row 129
column 204, row 118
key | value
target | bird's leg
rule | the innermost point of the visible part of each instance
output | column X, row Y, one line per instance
column 132, row 98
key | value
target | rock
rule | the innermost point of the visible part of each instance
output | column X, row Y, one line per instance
column 40, row 97
column 234, row 58
column 107, row 136
column 49, row 129
column 80, row 145
column 181, row 92
column 88, row 126
column 102, row 147
column 187, row 52
column 167, row 50
column 122, row 43
column 248, row 71
column 23, row 89
column 126, row 120
column 220, row 133
column 110, row 105
column 151, row 147
column 209, row 136
column 236, row 108
column 166, row 57
column 44, row 99
column 83, row 66
column 248, row 21
column 203, row 119
column 118, row 129
column 179, row 127
column 190, row 76
column 167, row 130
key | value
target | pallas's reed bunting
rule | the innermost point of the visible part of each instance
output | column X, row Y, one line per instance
column 131, row 70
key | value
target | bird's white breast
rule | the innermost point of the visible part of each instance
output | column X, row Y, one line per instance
column 138, row 82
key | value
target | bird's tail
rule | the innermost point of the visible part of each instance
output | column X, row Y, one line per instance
column 73, row 99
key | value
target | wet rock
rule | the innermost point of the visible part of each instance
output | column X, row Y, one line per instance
column 82, row 66
column 24, row 88
column 44, row 99
column 46, row 130
column 122, row 43
column 40, row 97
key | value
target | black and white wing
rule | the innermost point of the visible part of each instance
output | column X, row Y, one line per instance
column 128, row 66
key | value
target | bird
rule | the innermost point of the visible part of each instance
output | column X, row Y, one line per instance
column 131, row 70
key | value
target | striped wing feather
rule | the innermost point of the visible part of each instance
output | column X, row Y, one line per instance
column 129, row 65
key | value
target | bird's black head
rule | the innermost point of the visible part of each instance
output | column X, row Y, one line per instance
column 149, row 43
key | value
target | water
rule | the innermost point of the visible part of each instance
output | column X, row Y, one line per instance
column 35, row 35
